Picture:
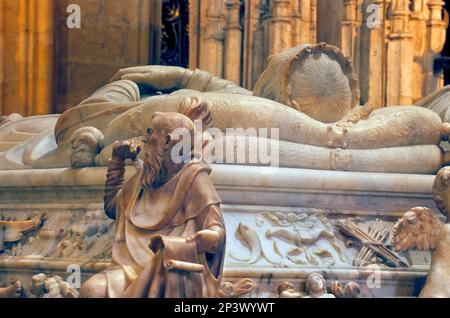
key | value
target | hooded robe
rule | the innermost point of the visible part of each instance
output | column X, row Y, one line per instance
column 151, row 231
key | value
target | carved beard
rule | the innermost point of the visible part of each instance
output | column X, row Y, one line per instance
column 153, row 162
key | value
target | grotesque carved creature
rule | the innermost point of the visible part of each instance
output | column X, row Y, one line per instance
column 170, row 235
column 423, row 229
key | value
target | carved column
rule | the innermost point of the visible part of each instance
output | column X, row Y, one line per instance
column 27, row 54
column 372, row 55
column 259, row 59
column 251, row 21
column 419, row 17
column 212, row 35
column 349, row 29
column 303, row 22
column 280, row 35
column 400, row 56
column 233, row 42
column 313, row 24
column 435, row 42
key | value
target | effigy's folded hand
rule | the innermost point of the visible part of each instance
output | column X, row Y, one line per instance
column 157, row 77
column 207, row 240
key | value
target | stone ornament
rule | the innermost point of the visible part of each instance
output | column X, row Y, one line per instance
column 241, row 288
column 170, row 235
column 373, row 243
column 290, row 239
column 350, row 290
column 316, row 287
column 50, row 286
column 423, row 229
column 14, row 290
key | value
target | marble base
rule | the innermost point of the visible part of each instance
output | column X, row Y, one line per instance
column 247, row 193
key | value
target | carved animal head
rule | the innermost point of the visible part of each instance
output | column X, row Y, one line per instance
column 420, row 227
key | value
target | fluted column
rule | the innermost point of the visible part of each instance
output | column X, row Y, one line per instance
column 280, row 35
column 233, row 42
column 349, row 31
column 259, row 58
column 372, row 57
column 212, row 36
column 435, row 43
column 313, row 24
column 400, row 56
column 418, row 22
column 251, row 21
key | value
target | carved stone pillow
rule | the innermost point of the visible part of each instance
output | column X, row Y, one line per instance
column 315, row 79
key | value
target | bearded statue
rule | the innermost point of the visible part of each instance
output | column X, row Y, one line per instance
column 170, row 234
column 421, row 228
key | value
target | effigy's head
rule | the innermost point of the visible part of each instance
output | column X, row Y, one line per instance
column 169, row 141
column 314, row 79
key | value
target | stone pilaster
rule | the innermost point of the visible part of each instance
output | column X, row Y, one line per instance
column 372, row 55
column 251, row 20
column 349, row 29
column 435, row 42
column 212, row 36
column 280, row 34
column 233, row 42
column 313, row 24
column 399, row 56
column 259, row 59
column 418, row 22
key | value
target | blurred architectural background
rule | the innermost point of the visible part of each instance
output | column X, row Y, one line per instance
column 46, row 67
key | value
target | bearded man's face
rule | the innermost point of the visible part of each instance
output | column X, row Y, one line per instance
column 157, row 144
column 153, row 147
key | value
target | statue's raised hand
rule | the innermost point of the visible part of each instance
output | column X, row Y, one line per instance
column 207, row 240
column 157, row 77
column 123, row 150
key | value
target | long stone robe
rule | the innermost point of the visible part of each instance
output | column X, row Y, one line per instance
column 184, row 205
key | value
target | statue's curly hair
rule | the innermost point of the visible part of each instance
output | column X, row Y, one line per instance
column 440, row 190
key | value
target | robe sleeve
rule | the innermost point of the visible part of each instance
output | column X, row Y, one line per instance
column 113, row 186
column 214, row 221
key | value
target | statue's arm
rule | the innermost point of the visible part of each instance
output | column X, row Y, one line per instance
column 122, row 150
column 113, row 185
column 171, row 78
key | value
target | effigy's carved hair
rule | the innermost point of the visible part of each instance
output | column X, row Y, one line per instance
column 440, row 190
column 420, row 227
column 197, row 108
